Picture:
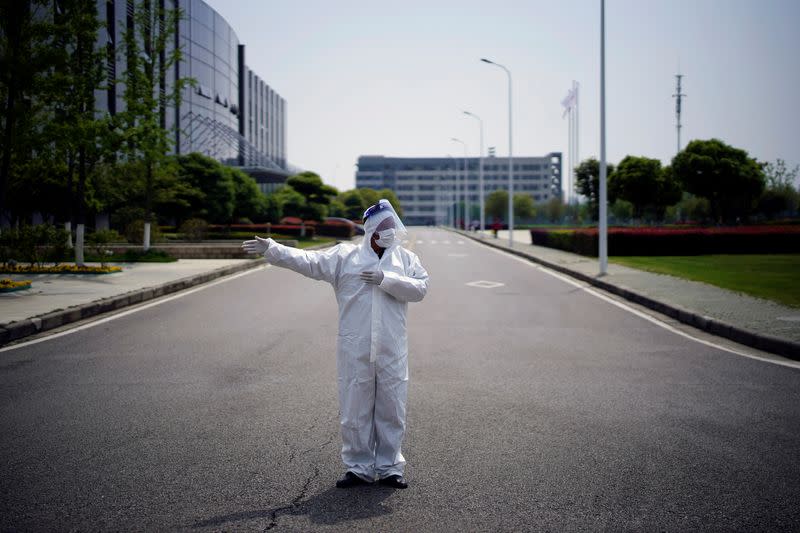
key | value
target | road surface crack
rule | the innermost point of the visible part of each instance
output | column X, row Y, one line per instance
column 294, row 503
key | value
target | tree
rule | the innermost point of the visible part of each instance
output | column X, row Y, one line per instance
column 587, row 182
column 26, row 51
column 780, row 196
column 316, row 194
column 150, row 55
column 78, row 134
column 523, row 206
column 215, row 185
column 554, row 210
column 726, row 176
column 392, row 197
column 370, row 197
column 496, row 205
column 291, row 202
column 644, row 184
column 353, row 204
column 778, row 175
column 249, row 202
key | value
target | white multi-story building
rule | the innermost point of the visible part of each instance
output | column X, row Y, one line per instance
column 430, row 187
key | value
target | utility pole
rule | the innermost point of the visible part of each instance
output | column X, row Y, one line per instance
column 678, row 97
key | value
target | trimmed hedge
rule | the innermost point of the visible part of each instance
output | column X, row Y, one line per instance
column 336, row 229
column 284, row 229
column 679, row 241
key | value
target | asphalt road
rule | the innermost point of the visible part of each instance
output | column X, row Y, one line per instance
column 533, row 405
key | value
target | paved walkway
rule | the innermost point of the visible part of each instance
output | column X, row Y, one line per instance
column 759, row 317
column 57, row 299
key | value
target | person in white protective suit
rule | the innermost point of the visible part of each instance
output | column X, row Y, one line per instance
column 373, row 283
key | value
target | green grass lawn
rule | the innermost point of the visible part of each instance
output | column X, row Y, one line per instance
column 315, row 242
column 773, row 277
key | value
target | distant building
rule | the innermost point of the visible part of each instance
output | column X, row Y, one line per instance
column 231, row 114
column 426, row 186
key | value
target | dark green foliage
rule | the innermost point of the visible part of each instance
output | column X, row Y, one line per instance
column 214, row 185
column 150, row 256
column 316, row 197
column 354, row 204
column 642, row 182
column 496, row 205
column 249, row 202
column 726, row 176
column 33, row 244
column 587, row 183
column 134, row 232
column 194, row 229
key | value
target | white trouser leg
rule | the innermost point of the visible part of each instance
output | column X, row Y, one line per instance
column 390, row 419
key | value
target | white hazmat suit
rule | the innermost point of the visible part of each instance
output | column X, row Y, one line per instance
column 372, row 347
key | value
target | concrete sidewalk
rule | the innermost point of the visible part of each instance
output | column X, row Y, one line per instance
column 57, row 299
column 762, row 324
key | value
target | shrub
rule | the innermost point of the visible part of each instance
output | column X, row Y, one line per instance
column 99, row 240
column 194, row 229
column 134, row 232
column 150, row 256
column 222, row 232
column 333, row 228
column 668, row 241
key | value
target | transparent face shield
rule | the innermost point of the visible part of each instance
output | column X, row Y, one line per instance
column 382, row 219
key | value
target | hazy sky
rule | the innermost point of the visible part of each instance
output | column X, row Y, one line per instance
column 392, row 77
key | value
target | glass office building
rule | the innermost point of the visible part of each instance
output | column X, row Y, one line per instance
column 231, row 114
column 429, row 187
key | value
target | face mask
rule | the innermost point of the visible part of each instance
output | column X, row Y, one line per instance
column 385, row 238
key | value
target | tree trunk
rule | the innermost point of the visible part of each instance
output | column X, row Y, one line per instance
column 81, row 206
column 148, row 204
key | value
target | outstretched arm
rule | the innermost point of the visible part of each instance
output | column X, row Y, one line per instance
column 410, row 287
column 320, row 265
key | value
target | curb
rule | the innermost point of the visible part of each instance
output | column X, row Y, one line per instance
column 767, row 343
column 12, row 331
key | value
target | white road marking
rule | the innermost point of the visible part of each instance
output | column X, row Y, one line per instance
column 420, row 242
column 445, row 242
column 433, row 242
column 457, row 255
column 583, row 286
column 158, row 301
column 485, row 284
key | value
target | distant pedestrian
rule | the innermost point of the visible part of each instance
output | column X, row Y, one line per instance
column 373, row 283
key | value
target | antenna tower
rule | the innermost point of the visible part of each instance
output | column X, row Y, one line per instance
column 678, row 97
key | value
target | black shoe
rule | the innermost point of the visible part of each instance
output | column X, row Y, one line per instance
column 350, row 480
column 395, row 482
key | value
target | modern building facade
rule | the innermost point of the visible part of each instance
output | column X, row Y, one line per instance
column 429, row 187
column 230, row 114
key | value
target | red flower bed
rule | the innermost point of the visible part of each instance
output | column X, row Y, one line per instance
column 675, row 241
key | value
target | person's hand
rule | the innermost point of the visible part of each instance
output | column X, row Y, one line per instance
column 375, row 278
column 258, row 246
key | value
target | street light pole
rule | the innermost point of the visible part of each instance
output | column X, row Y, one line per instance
column 603, row 229
column 454, row 193
column 480, row 171
column 510, row 158
column 466, row 188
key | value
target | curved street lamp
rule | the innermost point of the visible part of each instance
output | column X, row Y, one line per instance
column 510, row 159
column 466, row 188
column 480, row 171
